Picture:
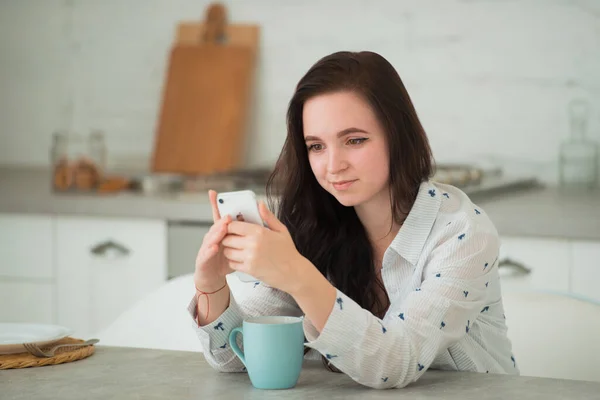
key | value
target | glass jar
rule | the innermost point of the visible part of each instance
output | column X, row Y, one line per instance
column 97, row 149
column 578, row 157
column 78, row 161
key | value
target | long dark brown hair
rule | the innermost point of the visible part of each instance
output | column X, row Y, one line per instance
column 324, row 231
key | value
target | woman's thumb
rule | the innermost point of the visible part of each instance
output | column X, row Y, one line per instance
column 269, row 218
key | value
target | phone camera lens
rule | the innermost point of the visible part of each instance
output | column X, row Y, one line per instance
column 221, row 201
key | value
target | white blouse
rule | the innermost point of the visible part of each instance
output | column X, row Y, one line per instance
column 441, row 275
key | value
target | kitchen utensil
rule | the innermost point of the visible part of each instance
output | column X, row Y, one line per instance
column 35, row 350
column 158, row 184
column 203, row 115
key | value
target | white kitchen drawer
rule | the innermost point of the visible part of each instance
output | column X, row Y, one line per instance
column 104, row 266
column 26, row 302
column 548, row 262
column 585, row 275
column 26, row 247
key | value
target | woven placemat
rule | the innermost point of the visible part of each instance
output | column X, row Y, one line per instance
column 62, row 355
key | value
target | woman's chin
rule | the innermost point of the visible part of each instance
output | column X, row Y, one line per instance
column 347, row 199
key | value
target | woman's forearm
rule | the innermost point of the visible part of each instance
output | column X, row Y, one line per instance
column 314, row 295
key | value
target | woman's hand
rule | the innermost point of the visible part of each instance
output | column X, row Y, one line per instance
column 268, row 254
column 211, row 264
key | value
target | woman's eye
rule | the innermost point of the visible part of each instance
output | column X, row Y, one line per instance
column 357, row 141
column 315, row 147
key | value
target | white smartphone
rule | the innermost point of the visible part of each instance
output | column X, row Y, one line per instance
column 242, row 206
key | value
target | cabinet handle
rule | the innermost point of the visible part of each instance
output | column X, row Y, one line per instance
column 508, row 263
column 101, row 248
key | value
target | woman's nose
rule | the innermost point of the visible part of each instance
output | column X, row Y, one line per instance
column 336, row 162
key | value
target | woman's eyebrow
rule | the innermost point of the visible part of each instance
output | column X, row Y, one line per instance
column 340, row 134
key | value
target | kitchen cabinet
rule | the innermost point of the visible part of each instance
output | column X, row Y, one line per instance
column 585, row 273
column 22, row 301
column 534, row 264
column 551, row 265
column 83, row 272
column 26, row 270
column 104, row 266
column 78, row 272
column 26, row 247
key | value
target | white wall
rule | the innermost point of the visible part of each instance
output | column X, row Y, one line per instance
column 490, row 79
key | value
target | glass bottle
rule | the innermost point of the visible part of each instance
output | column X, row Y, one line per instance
column 62, row 176
column 578, row 158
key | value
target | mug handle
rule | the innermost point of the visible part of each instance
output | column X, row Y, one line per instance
column 234, row 346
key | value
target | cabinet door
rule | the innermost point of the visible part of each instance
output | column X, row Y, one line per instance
column 104, row 266
column 585, row 278
column 26, row 302
column 26, row 247
column 184, row 241
column 534, row 264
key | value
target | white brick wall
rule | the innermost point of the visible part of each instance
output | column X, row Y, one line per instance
column 490, row 79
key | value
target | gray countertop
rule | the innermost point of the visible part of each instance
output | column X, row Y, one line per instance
column 128, row 373
column 28, row 190
column 537, row 212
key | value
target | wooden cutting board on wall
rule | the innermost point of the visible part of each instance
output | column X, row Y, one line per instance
column 203, row 116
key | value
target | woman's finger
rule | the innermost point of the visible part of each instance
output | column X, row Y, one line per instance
column 234, row 241
column 212, row 195
column 244, row 228
column 234, row 254
column 236, row 266
column 217, row 232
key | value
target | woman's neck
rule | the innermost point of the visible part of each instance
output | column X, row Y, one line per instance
column 376, row 216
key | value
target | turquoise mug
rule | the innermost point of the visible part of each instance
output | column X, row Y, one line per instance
column 273, row 350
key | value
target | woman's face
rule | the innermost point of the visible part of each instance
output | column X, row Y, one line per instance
column 347, row 147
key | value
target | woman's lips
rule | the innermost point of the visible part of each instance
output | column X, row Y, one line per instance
column 342, row 185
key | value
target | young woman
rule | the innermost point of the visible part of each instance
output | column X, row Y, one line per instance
column 393, row 272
